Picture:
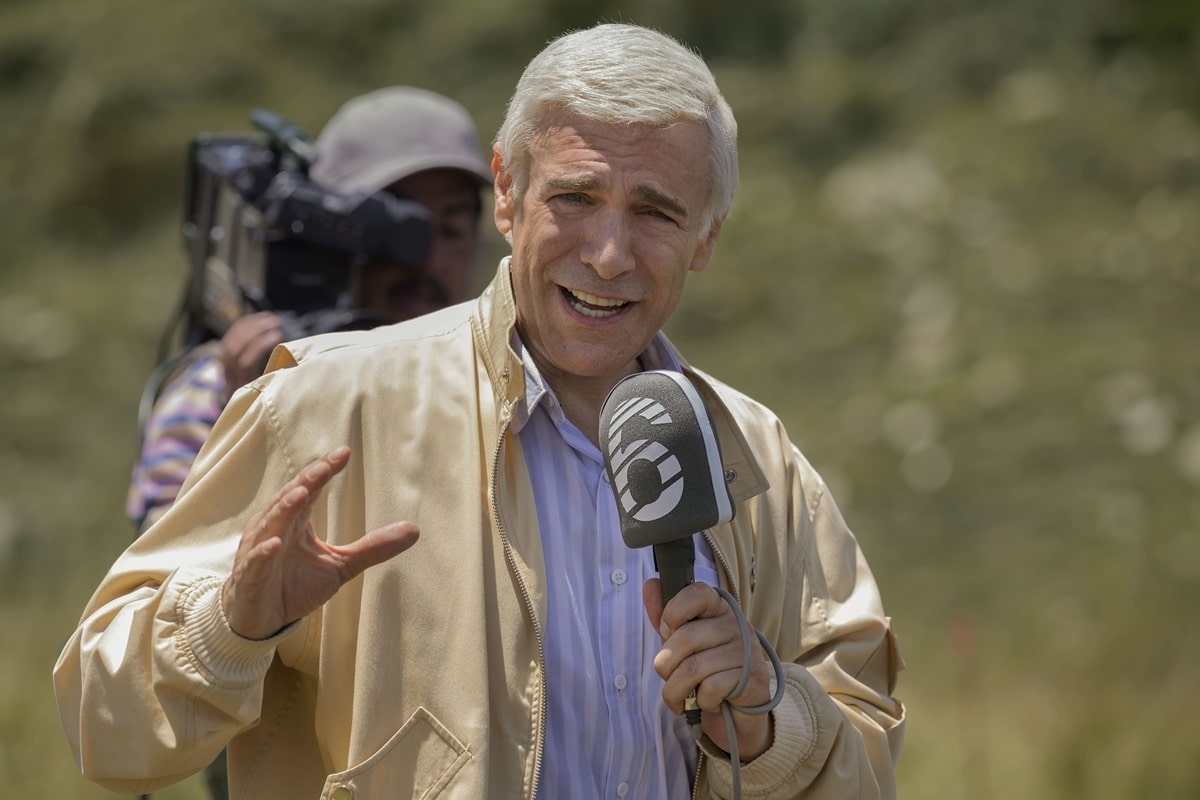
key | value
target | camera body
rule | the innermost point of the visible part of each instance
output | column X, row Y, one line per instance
column 260, row 235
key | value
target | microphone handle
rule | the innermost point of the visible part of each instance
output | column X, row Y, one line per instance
column 676, row 562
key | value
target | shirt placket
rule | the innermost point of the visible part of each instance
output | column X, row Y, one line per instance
column 622, row 656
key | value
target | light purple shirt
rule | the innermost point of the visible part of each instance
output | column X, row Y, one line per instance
column 609, row 733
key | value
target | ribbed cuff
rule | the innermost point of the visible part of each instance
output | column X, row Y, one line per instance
column 227, row 659
column 794, row 738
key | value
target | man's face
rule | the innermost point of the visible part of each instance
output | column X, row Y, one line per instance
column 603, row 239
column 402, row 292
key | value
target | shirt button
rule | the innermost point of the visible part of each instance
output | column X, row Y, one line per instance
column 622, row 789
column 618, row 576
column 343, row 792
column 620, row 682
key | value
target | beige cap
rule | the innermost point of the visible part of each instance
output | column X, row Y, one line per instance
column 383, row 136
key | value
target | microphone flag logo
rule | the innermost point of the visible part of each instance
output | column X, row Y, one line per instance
column 658, row 498
column 660, row 450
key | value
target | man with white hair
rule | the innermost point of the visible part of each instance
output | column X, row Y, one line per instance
column 284, row 606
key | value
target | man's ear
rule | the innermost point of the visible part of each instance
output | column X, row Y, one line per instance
column 502, row 189
column 704, row 252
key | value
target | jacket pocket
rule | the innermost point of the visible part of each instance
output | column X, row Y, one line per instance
column 419, row 761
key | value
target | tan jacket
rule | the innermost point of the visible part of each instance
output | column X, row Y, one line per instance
column 425, row 677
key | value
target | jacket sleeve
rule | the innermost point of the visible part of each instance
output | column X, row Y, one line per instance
column 153, row 682
column 838, row 730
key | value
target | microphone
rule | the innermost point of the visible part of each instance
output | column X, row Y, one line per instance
column 661, row 453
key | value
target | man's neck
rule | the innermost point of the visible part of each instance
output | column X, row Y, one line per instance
column 583, row 398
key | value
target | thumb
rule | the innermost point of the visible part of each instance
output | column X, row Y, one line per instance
column 653, row 600
column 378, row 546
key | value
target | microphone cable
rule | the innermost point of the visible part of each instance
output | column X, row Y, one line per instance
column 727, row 706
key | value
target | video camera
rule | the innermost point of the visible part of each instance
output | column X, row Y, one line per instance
column 260, row 235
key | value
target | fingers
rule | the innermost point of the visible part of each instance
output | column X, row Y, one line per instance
column 376, row 547
column 246, row 346
column 254, row 595
column 319, row 472
column 287, row 515
column 695, row 601
column 653, row 601
column 281, row 572
column 703, row 649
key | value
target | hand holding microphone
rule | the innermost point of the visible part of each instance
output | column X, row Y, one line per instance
column 662, row 456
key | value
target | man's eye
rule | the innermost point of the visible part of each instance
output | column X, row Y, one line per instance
column 656, row 213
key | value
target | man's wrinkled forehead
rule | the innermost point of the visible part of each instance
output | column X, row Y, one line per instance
column 564, row 133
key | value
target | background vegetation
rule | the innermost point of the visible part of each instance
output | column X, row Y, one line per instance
column 961, row 265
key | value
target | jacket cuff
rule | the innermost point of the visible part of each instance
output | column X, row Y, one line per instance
column 794, row 740
column 215, row 649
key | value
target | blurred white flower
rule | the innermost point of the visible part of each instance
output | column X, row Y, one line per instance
column 910, row 425
column 927, row 467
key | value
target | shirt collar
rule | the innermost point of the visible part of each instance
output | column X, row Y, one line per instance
column 657, row 355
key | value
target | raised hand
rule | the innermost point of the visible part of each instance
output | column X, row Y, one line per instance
column 283, row 572
column 702, row 650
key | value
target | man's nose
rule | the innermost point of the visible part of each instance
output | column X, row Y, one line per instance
column 608, row 245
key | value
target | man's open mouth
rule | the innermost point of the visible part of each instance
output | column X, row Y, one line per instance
column 593, row 306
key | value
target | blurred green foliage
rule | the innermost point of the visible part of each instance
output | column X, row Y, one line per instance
column 961, row 265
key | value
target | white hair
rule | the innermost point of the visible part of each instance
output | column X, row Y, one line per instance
column 622, row 74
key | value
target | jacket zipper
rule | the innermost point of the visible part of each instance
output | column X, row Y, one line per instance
column 720, row 557
column 512, row 565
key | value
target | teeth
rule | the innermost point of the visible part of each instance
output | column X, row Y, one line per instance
column 593, row 305
column 593, row 300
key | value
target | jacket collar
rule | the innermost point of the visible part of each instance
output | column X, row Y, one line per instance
column 744, row 474
column 494, row 324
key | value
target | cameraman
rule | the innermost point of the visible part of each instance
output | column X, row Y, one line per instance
column 412, row 143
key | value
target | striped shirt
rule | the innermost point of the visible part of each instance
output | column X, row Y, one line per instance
column 182, row 418
column 609, row 734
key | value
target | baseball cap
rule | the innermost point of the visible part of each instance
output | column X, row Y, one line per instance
column 383, row 136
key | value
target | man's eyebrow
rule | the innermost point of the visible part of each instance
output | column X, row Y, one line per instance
column 572, row 184
column 648, row 194
column 645, row 194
